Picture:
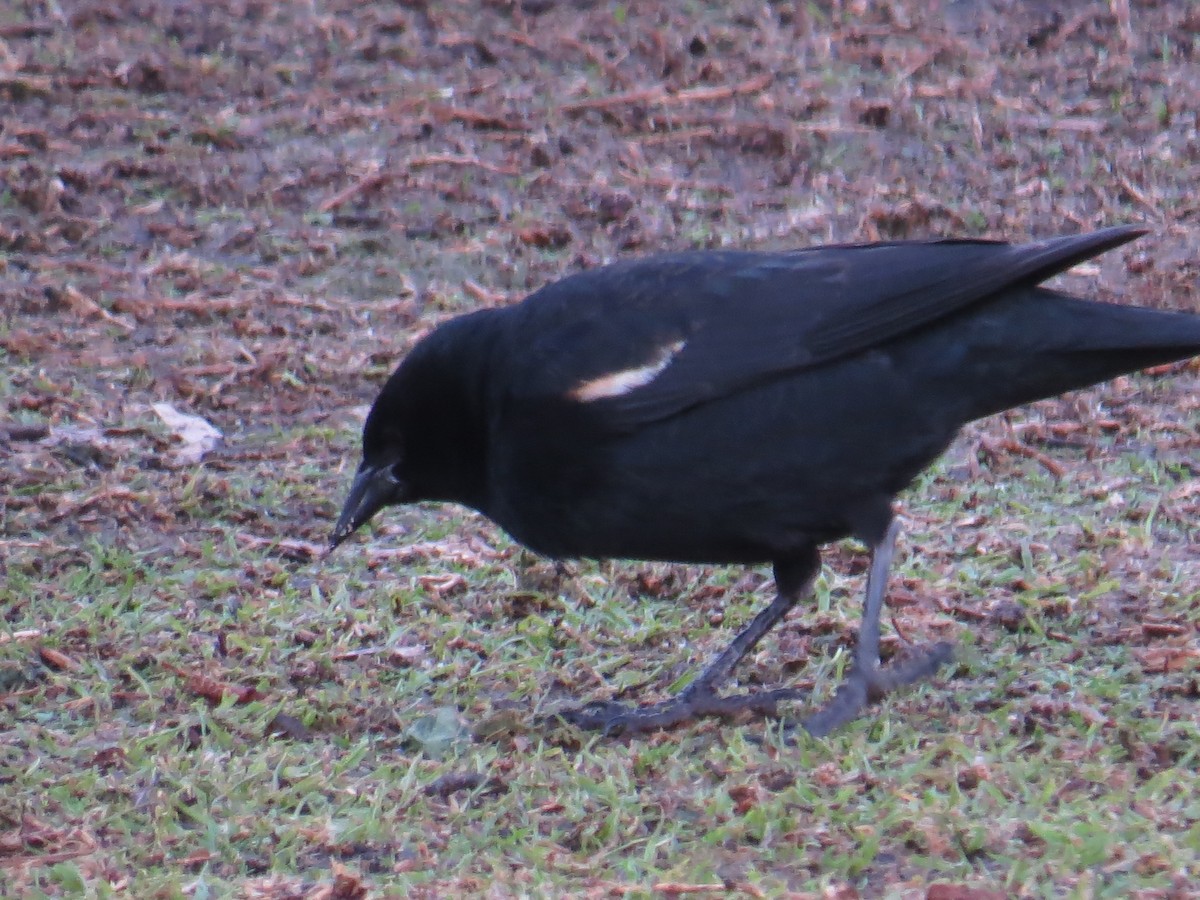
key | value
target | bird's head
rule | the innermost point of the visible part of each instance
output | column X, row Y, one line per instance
column 384, row 476
column 423, row 438
column 375, row 486
column 380, row 480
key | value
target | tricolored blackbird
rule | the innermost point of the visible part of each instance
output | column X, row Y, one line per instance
column 742, row 407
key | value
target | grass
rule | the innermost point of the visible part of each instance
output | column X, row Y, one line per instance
column 145, row 690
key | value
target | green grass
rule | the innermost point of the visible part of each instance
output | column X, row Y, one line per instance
column 1049, row 762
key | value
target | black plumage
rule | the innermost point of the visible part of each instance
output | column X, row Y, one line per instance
column 741, row 407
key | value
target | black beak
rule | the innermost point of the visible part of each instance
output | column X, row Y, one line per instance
column 372, row 490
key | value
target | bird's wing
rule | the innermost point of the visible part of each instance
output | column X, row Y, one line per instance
column 639, row 342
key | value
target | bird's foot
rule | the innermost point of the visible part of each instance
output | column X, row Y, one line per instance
column 697, row 701
column 867, row 684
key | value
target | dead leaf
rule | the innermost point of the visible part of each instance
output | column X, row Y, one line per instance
column 555, row 236
column 57, row 660
column 962, row 892
column 213, row 690
column 284, row 725
column 745, row 797
column 197, row 436
column 1167, row 659
column 675, row 888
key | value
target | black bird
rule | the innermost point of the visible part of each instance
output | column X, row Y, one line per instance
column 742, row 407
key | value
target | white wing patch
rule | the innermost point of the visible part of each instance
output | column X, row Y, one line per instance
column 615, row 384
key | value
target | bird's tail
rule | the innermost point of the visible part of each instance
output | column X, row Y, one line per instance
column 1068, row 343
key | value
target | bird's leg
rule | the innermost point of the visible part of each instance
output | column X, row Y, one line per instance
column 868, row 680
column 700, row 698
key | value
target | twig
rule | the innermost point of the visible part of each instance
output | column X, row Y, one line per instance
column 1138, row 194
column 1013, row 446
column 24, row 635
column 86, row 306
column 662, row 96
column 739, row 124
column 1120, row 9
column 681, row 134
column 26, row 30
column 900, row 631
column 955, row 609
column 1072, row 25
column 75, row 507
column 478, row 292
column 448, row 159
column 356, row 654
column 679, row 887
column 478, row 119
column 291, row 548
column 371, row 182
column 722, row 190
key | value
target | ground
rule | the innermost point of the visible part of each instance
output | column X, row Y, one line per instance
column 245, row 212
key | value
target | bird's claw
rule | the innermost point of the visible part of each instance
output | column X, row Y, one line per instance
column 870, row 684
column 606, row 716
column 610, row 717
column 862, row 686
